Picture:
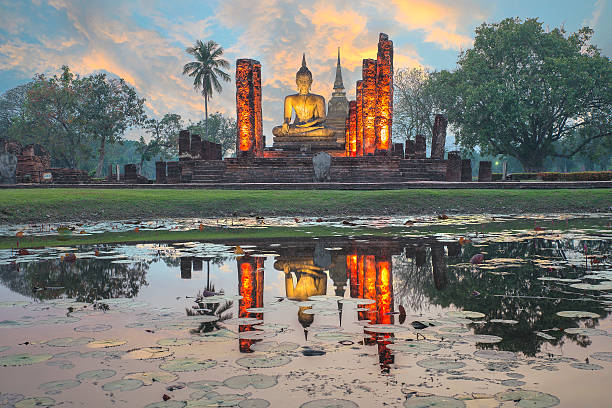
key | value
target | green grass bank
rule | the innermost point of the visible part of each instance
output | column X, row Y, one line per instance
column 57, row 205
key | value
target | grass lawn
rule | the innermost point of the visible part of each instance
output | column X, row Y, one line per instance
column 57, row 204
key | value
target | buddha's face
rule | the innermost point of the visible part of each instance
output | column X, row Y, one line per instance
column 303, row 84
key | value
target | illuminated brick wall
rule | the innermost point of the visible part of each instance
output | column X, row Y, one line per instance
column 359, row 119
column 351, row 142
column 248, row 107
column 384, row 93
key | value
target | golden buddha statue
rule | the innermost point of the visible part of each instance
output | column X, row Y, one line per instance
column 309, row 110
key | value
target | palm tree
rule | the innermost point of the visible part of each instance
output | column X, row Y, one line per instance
column 206, row 71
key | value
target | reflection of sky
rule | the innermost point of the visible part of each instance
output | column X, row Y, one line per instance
column 144, row 42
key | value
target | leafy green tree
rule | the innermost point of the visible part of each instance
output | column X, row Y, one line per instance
column 414, row 105
column 525, row 92
column 13, row 107
column 207, row 70
column 222, row 130
column 163, row 138
column 109, row 107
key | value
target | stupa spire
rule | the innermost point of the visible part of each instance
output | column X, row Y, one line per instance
column 338, row 84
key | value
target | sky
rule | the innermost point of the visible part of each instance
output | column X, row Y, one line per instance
column 144, row 41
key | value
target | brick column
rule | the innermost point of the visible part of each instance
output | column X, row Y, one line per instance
column 420, row 147
column 384, row 94
column 359, row 118
column 249, row 138
column 484, row 171
column 466, row 170
column 438, row 139
column 369, row 106
column 453, row 167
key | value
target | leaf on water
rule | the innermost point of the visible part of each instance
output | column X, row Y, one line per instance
column 122, row 385
column 585, row 331
column 101, row 374
column 264, row 362
column 175, row 342
column 63, row 364
column 413, row 347
column 218, row 336
column 204, row 385
column 106, row 343
column 148, row 378
column 576, row 314
column 329, row 403
column 35, row 402
column 503, row 321
column 15, row 360
column 466, row 313
column 9, row 399
column 454, row 329
column 586, row 366
column 187, row 364
column 69, row 341
column 242, row 321
column 55, row 387
column 272, row 346
column 495, row 355
column 603, row 356
column 385, row 328
column 148, row 353
column 482, row 338
column 254, row 403
column 259, row 381
column 433, row 401
column 513, row 383
column 167, row 404
column 442, row 364
column 333, row 336
column 528, row 399
column 93, row 328
column 4, row 348
column 545, row 335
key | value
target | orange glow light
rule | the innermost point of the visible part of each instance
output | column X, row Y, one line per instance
column 248, row 107
column 369, row 105
column 384, row 93
column 352, row 141
column 359, row 119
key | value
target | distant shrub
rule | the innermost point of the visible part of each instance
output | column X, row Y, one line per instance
column 577, row 176
column 523, row 176
column 496, row 176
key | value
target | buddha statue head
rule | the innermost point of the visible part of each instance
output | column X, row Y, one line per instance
column 303, row 78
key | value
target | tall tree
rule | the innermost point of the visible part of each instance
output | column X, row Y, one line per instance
column 414, row 105
column 163, row 137
column 109, row 107
column 523, row 91
column 13, row 106
column 222, row 131
column 207, row 70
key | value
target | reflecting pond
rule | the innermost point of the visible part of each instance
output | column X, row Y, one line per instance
column 506, row 318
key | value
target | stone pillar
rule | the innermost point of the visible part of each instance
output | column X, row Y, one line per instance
column 110, row 172
column 130, row 173
column 453, row 167
column 174, row 172
column 352, row 141
column 185, row 267
column 384, row 93
column 347, row 136
column 409, row 149
column 184, row 145
column 369, row 106
column 398, row 150
column 249, row 139
column 205, row 151
column 466, row 170
column 196, row 147
column 197, row 264
column 438, row 139
column 484, row 171
column 160, row 172
column 359, row 118
column 420, row 147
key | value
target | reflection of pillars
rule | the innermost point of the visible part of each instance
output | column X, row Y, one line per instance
column 197, row 264
column 251, row 280
column 186, row 267
column 454, row 249
column 384, row 304
column 352, row 269
column 338, row 272
column 439, row 266
column 420, row 255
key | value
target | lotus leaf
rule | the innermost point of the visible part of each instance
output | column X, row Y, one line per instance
column 585, row 331
column 55, row 387
column 148, row 353
column 329, row 403
column 433, row 401
column 148, row 378
column 254, row 403
column 482, row 338
column 174, row 342
column 466, row 313
column 272, row 346
column 575, row 314
column 167, row 404
column 204, row 385
column 440, row 364
column 264, row 361
column 187, row 364
column 602, row 355
column 69, row 341
column 258, row 381
column 93, row 328
column 122, row 385
column 333, row 336
column 106, row 343
column 23, row 359
column 586, row 366
column 495, row 355
column 101, row 374
column 35, row 402
column 528, row 399
column 385, row 328
column 413, row 347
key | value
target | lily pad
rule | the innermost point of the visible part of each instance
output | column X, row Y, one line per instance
column 106, row 343
column 603, row 356
column 148, row 353
column 63, row 364
column 93, row 328
column 55, row 387
column 148, row 378
column 545, row 335
column 175, row 342
column 187, row 364
column 576, row 314
column 454, row 329
column 585, row 331
column 214, row 399
column 333, row 336
column 482, row 338
column 495, row 355
column 528, row 399
column 385, row 328
column 122, row 385
column 259, row 381
column 167, row 404
column 35, row 402
column 442, row 364
column 586, row 366
column 242, row 321
column 14, row 323
column 14, row 360
column 264, row 361
column 101, row 374
column 413, row 347
column 433, row 401
column 254, row 403
column 204, row 385
column 272, row 346
column 504, row 321
column 218, row 336
column 466, row 313
column 329, row 403
column 69, row 341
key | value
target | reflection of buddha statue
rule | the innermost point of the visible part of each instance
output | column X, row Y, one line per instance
column 310, row 281
column 309, row 110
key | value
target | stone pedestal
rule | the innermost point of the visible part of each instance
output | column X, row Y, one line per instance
column 420, row 147
column 321, row 163
column 196, row 147
column 160, row 172
column 438, row 139
column 484, row 171
column 453, row 167
column 466, row 170
column 174, row 172
column 398, row 150
column 409, row 149
column 130, row 173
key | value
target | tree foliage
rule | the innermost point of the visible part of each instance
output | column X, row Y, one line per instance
column 528, row 93
column 221, row 129
column 163, row 138
column 414, row 105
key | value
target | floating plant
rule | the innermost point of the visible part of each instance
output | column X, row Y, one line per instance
column 267, row 361
column 93, row 328
column 272, row 346
column 528, row 399
column 576, row 314
column 442, row 364
column 495, row 355
column 106, row 343
column 433, row 401
column 148, row 378
column 254, row 403
column 259, row 381
column 101, row 374
column 413, row 347
column 56, row 387
column 35, row 402
column 482, row 338
column 329, row 403
column 122, row 385
column 187, row 364
column 14, row 360
column 466, row 314
column 148, row 353
column 603, row 356
column 69, row 341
